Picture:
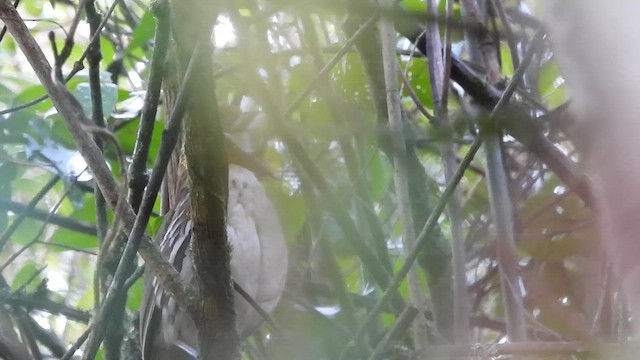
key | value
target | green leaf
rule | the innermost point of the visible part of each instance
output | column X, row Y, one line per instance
column 73, row 240
column 404, row 286
column 26, row 272
column 418, row 75
column 8, row 172
column 380, row 175
column 549, row 78
column 107, row 49
column 154, row 225
column 33, row 8
column 6, row 94
column 109, row 97
column 31, row 93
column 292, row 209
column 143, row 32
column 557, row 97
column 26, row 232
column 414, row 5
column 351, row 81
column 507, row 62
column 127, row 138
column 299, row 76
column 135, row 295
column 87, row 301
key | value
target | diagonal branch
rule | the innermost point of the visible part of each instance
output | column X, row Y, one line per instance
column 73, row 117
column 515, row 119
column 419, row 245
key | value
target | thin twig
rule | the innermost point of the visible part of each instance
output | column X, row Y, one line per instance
column 506, row 24
column 137, row 171
column 265, row 315
column 402, row 323
column 422, row 239
column 439, row 69
column 6, row 234
column 35, row 301
column 76, row 345
column 330, row 65
column 416, row 99
column 417, row 297
column 73, row 117
column 169, row 140
column 53, row 209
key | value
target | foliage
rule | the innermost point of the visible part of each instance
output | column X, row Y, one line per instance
column 263, row 65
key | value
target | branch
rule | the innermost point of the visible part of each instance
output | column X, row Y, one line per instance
column 436, row 259
column 48, row 305
column 379, row 272
column 439, row 69
column 514, row 118
column 6, row 234
column 137, row 171
column 388, row 40
column 364, row 207
column 208, row 168
column 42, row 215
column 415, row 250
column 405, row 318
column 73, row 117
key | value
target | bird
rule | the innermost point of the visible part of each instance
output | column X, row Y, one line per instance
column 258, row 261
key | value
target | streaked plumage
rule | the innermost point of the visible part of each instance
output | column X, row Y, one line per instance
column 258, row 264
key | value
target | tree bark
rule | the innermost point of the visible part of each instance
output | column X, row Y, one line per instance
column 207, row 165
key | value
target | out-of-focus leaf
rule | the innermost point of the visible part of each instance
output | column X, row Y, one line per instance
column 72, row 240
column 549, row 77
column 351, row 81
column 109, row 97
column 154, row 225
column 6, row 94
column 507, row 62
column 404, row 286
column 30, row 94
column 380, row 174
column 8, row 172
column 33, row 8
column 86, row 212
column 127, row 137
column 349, row 267
column 316, row 336
column 299, row 76
column 86, row 301
column 558, row 96
column 291, row 208
column 418, row 6
column 29, row 228
column 388, row 319
column 135, row 295
column 26, row 232
column 418, row 76
column 107, row 49
column 143, row 32
column 26, row 272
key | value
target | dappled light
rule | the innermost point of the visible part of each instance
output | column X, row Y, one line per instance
column 412, row 179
